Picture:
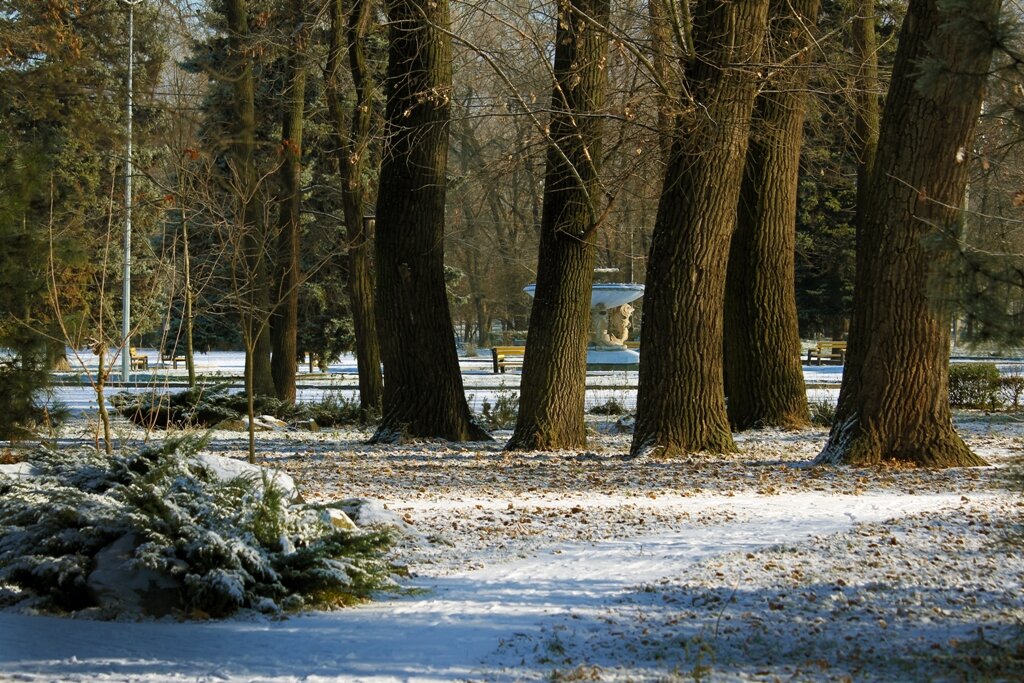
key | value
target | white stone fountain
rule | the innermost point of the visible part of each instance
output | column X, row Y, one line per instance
column 610, row 320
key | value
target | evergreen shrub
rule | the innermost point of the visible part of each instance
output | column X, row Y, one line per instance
column 974, row 385
column 503, row 413
column 823, row 412
column 207, row 406
column 222, row 544
column 609, row 407
column 24, row 411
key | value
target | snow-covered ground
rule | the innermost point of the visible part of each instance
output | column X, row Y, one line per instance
column 575, row 605
column 584, row 566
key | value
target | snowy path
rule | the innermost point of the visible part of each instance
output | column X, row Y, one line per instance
column 454, row 630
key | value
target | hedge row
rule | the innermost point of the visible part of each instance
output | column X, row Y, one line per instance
column 980, row 385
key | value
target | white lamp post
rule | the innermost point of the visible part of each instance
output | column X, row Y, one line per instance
column 126, row 303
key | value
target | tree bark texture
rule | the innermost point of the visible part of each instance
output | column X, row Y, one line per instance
column 764, row 379
column 866, row 88
column 661, row 42
column 894, row 401
column 553, row 386
column 285, row 321
column 680, row 397
column 253, row 277
column 423, row 393
column 352, row 132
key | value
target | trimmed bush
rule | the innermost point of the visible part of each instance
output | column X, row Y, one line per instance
column 1011, row 389
column 212, row 544
column 974, row 385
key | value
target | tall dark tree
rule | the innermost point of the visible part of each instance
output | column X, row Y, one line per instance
column 894, row 402
column 253, row 276
column 681, row 398
column 62, row 96
column 62, row 117
column 423, row 393
column 285, row 321
column 661, row 43
column 763, row 375
column 866, row 87
column 352, row 134
column 551, row 402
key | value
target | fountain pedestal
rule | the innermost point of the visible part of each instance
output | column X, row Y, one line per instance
column 610, row 320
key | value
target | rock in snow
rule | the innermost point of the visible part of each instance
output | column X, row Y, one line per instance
column 270, row 421
column 122, row 588
column 337, row 518
column 227, row 469
column 18, row 470
column 368, row 512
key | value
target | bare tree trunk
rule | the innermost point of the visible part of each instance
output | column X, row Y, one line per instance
column 250, row 405
column 423, row 393
column 866, row 84
column 661, row 42
column 284, row 324
column 551, row 402
column 100, row 386
column 894, row 401
column 764, row 379
column 352, row 132
column 681, row 397
column 254, row 297
column 186, row 314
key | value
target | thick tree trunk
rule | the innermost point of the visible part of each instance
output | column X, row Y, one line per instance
column 894, row 401
column 551, row 401
column 352, row 132
column 252, row 279
column 764, row 379
column 285, row 321
column 423, row 393
column 681, row 398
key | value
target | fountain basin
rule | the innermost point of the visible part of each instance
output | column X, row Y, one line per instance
column 610, row 294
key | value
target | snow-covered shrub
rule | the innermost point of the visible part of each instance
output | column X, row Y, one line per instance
column 215, row 546
column 973, row 385
column 200, row 406
column 207, row 406
column 610, row 407
column 333, row 410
